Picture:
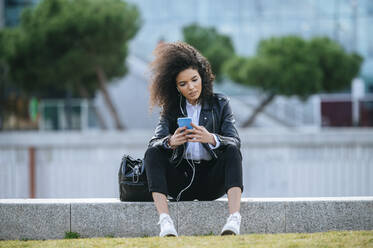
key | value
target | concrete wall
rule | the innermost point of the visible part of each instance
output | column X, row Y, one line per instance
column 51, row 218
column 277, row 163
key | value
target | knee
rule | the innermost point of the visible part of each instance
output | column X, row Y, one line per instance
column 233, row 150
column 151, row 152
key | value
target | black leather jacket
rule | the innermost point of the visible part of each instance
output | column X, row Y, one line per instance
column 216, row 116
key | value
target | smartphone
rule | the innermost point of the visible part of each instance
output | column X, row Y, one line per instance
column 185, row 121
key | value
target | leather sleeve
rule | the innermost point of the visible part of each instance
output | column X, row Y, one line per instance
column 229, row 134
column 161, row 134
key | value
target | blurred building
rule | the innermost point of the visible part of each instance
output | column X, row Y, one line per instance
column 12, row 10
column 2, row 12
column 281, row 163
column 247, row 22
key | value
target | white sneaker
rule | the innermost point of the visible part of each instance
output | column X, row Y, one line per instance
column 232, row 227
column 167, row 226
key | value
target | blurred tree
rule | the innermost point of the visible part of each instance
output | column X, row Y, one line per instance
column 6, row 46
column 338, row 67
column 74, row 46
column 292, row 66
column 3, row 72
column 216, row 47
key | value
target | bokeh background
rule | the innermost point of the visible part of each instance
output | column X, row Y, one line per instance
column 74, row 98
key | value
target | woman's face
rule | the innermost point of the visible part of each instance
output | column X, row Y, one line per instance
column 189, row 83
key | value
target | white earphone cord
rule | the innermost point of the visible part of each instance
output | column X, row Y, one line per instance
column 194, row 172
column 191, row 165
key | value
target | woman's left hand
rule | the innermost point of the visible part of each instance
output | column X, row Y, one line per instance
column 200, row 134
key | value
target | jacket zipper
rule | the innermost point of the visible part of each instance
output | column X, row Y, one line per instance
column 213, row 128
column 173, row 153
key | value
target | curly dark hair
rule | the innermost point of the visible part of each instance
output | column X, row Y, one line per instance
column 170, row 59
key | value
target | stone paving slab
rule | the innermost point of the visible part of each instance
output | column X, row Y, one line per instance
column 201, row 218
column 262, row 217
column 34, row 220
column 120, row 219
column 320, row 216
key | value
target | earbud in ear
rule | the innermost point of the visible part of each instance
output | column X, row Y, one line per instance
column 177, row 89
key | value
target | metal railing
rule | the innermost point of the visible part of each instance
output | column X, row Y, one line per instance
column 289, row 111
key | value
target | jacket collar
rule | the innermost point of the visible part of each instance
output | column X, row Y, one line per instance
column 206, row 104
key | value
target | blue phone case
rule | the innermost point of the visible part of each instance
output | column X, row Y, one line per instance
column 186, row 121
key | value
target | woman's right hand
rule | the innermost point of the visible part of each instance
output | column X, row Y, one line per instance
column 179, row 137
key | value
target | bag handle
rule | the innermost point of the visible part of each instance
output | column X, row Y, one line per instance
column 134, row 164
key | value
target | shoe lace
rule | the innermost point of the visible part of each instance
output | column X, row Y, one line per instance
column 234, row 218
column 165, row 220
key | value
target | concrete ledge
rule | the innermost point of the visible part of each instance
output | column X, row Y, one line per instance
column 51, row 218
column 130, row 219
column 320, row 216
column 33, row 220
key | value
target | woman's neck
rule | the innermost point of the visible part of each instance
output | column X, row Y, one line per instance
column 194, row 103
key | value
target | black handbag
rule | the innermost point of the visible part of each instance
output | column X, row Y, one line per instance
column 133, row 184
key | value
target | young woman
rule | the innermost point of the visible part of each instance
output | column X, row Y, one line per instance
column 201, row 163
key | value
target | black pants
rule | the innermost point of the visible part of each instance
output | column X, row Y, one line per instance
column 211, row 181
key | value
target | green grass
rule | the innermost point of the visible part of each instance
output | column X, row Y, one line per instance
column 72, row 235
column 290, row 240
